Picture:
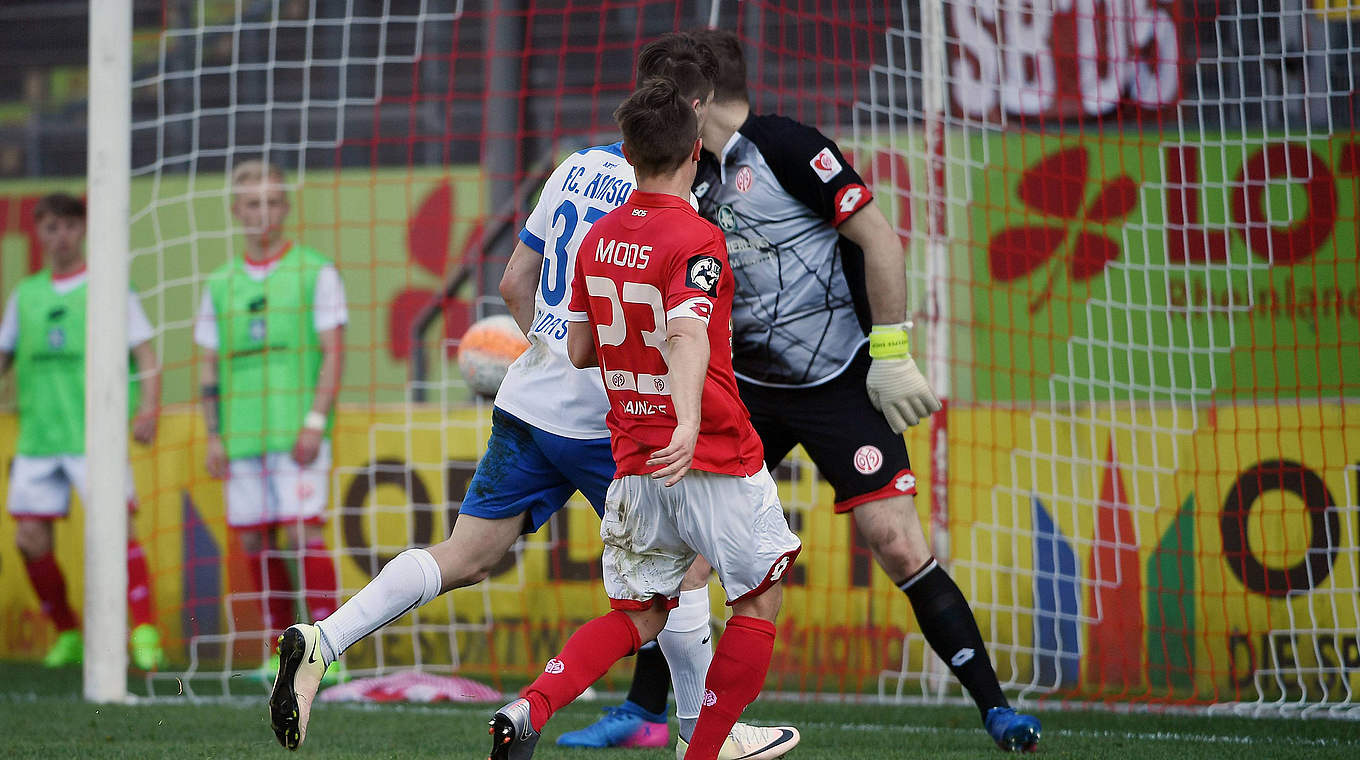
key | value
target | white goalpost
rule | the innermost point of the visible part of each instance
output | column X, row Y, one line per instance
column 106, row 367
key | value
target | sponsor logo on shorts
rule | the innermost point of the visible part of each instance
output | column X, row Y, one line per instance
column 554, row 667
column 710, row 698
column 961, row 656
column 305, row 490
column 745, row 178
column 906, row 482
column 868, row 459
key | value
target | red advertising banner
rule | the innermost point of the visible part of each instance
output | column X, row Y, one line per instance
column 1065, row 59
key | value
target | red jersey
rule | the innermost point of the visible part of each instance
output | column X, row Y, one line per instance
column 650, row 260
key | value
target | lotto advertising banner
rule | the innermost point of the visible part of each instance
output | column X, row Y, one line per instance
column 1235, row 272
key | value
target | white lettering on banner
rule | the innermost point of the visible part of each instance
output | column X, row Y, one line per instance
column 1017, row 55
column 1028, row 84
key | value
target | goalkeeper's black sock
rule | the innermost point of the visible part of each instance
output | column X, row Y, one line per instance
column 949, row 626
column 651, row 680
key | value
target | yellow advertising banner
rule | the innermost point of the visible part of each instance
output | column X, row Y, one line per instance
column 1147, row 553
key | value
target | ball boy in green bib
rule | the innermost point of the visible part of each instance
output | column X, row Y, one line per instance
column 42, row 336
column 271, row 327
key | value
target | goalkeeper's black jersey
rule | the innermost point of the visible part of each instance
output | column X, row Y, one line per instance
column 778, row 190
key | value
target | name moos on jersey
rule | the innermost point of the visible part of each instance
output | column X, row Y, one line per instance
column 622, row 253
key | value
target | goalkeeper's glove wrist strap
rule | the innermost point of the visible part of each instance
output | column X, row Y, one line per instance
column 889, row 342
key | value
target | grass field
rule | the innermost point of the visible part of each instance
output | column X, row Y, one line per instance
column 41, row 716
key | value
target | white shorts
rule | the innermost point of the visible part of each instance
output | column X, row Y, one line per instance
column 652, row 533
column 272, row 489
column 41, row 486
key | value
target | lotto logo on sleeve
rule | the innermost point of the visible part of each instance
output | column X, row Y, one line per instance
column 850, row 199
column 906, row 483
column 825, row 164
column 703, row 272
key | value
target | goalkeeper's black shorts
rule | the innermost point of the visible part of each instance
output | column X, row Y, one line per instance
column 845, row 436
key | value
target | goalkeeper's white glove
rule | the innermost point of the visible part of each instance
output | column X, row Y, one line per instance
column 896, row 387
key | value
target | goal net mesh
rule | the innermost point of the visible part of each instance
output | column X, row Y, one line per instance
column 1130, row 234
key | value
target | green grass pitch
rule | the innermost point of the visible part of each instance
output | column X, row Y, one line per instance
column 41, row 716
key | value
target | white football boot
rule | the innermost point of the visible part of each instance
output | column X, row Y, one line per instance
column 747, row 742
column 301, row 668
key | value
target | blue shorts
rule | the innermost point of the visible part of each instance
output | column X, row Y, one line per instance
column 529, row 472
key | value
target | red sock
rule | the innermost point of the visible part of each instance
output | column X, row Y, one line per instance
column 277, row 602
column 279, row 599
column 139, row 585
column 587, row 655
column 50, row 586
column 734, row 680
column 319, row 582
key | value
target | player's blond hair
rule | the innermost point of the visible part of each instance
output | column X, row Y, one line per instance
column 255, row 170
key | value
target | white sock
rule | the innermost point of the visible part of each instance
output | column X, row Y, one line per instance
column 686, row 643
column 408, row 581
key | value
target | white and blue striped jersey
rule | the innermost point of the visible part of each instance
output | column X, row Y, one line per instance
column 543, row 388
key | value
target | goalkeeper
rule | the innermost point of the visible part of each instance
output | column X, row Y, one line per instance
column 272, row 326
column 819, row 327
column 43, row 338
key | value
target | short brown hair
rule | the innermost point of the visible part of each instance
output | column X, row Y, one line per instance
column 255, row 170
column 730, row 84
column 60, row 205
column 681, row 58
column 659, row 128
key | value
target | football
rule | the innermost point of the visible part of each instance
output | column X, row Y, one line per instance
column 486, row 351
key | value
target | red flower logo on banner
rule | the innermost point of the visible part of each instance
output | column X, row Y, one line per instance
column 428, row 233
column 1056, row 186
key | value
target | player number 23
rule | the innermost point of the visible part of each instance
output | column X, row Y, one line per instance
column 641, row 293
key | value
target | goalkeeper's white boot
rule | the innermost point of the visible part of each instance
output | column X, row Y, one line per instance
column 747, row 742
column 300, row 670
